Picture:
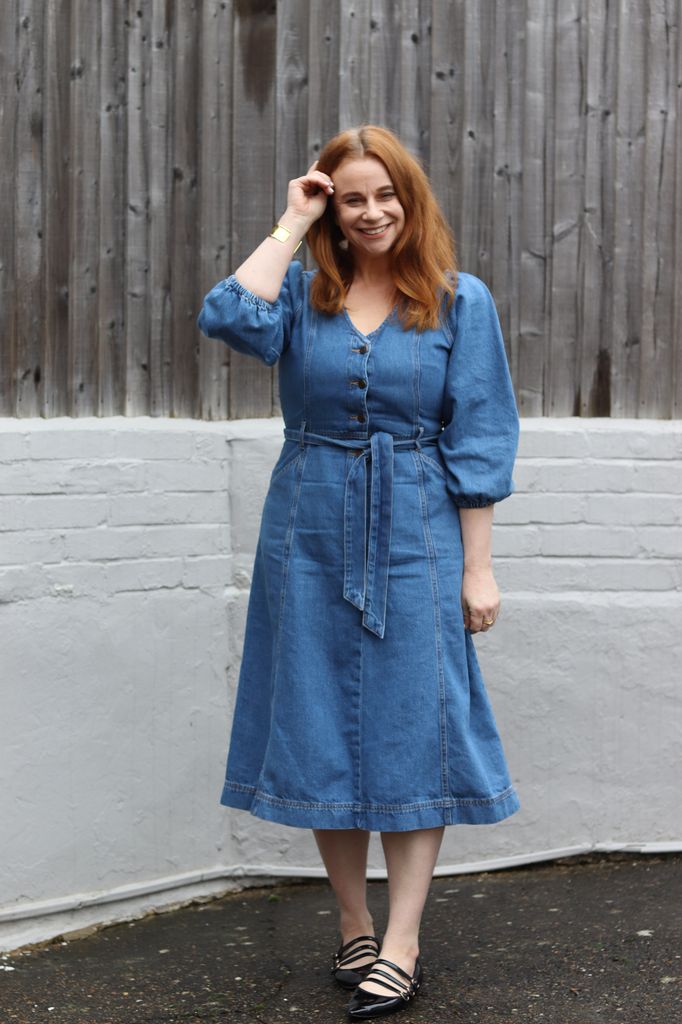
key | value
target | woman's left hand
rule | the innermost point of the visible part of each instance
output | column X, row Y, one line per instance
column 480, row 599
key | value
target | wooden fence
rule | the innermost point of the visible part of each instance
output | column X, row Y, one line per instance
column 146, row 149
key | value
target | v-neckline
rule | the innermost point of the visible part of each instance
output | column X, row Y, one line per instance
column 376, row 329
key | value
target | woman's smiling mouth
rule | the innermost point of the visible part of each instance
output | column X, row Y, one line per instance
column 375, row 231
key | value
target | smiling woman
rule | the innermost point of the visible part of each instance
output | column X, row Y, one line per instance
column 384, row 230
column 360, row 702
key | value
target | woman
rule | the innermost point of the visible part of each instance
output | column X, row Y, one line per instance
column 360, row 704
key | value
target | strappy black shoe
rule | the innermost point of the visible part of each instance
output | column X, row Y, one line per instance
column 344, row 973
column 365, row 1004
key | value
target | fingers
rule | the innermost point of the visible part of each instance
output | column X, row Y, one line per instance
column 479, row 620
column 317, row 178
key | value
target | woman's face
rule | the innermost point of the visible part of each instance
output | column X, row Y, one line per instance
column 366, row 207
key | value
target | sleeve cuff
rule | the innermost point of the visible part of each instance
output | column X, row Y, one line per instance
column 231, row 284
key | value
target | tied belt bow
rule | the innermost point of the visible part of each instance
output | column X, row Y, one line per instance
column 365, row 582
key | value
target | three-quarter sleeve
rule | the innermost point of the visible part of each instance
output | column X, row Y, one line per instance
column 248, row 323
column 481, row 433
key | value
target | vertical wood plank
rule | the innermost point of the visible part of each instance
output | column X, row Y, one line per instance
column 476, row 139
column 324, row 73
column 447, row 83
column 139, row 284
column 507, row 169
column 413, row 105
column 533, row 250
column 593, row 396
column 385, row 70
column 215, row 159
column 291, row 115
column 563, row 272
column 9, row 285
column 112, row 172
column 324, row 42
column 253, row 162
column 56, row 236
column 676, row 411
column 29, row 297
column 184, row 237
column 629, row 168
column 84, row 196
column 657, row 241
column 354, row 67
column 159, row 128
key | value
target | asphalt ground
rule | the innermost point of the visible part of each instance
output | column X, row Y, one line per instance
column 574, row 941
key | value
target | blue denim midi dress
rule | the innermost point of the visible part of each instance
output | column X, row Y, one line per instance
column 360, row 702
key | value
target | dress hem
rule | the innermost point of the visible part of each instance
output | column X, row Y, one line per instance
column 374, row 818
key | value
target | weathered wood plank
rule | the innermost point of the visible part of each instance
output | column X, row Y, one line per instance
column 159, row 127
column 141, row 371
column 476, row 138
column 657, row 241
column 291, row 115
column 84, row 205
column 593, row 395
column 569, row 160
column 112, row 176
column 385, row 69
column 507, row 170
column 676, row 128
column 323, row 73
column 28, row 225
column 56, row 234
column 445, row 132
column 628, row 182
column 534, row 246
column 184, row 239
column 253, row 161
column 9, row 285
column 215, row 160
column 354, row 66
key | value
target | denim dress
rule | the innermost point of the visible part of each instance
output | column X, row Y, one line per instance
column 360, row 702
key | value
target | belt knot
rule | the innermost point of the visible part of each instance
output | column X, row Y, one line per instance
column 365, row 576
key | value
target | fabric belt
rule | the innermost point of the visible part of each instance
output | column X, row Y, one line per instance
column 365, row 577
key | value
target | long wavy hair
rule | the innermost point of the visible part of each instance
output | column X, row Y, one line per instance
column 424, row 260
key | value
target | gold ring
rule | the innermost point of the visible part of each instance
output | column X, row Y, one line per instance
column 488, row 622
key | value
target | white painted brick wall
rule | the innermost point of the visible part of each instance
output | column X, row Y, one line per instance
column 126, row 549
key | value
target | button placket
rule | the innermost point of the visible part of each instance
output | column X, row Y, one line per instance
column 360, row 382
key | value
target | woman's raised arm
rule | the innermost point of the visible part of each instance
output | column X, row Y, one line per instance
column 263, row 271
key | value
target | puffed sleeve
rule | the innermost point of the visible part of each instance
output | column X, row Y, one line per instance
column 481, row 434
column 248, row 323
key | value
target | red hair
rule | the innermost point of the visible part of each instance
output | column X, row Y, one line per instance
column 424, row 261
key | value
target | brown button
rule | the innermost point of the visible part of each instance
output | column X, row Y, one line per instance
column 355, row 451
column 362, row 383
column 362, row 348
column 361, row 417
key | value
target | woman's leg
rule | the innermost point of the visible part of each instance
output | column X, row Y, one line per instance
column 410, row 860
column 344, row 853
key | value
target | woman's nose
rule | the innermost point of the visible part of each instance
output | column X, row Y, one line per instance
column 372, row 210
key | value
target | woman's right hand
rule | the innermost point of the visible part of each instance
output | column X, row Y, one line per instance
column 307, row 195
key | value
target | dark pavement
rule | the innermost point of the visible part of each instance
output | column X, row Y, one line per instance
column 581, row 940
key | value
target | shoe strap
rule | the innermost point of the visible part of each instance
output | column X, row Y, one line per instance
column 361, row 951
column 391, row 983
column 342, row 949
column 389, row 963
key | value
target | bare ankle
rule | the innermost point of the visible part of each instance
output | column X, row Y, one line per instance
column 354, row 924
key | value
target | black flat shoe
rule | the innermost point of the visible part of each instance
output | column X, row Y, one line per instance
column 342, row 970
column 365, row 1004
